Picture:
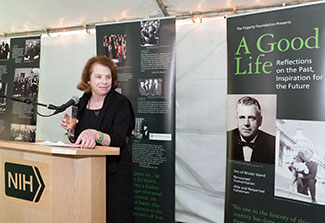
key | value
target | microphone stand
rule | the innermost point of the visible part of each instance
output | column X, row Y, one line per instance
column 29, row 101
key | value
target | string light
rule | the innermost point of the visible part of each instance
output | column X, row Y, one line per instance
column 86, row 28
column 47, row 31
column 284, row 3
column 192, row 16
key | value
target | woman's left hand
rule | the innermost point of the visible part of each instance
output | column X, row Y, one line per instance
column 87, row 139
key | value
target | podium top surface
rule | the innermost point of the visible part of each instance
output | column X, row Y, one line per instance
column 59, row 150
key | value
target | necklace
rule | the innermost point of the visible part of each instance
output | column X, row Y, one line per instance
column 96, row 112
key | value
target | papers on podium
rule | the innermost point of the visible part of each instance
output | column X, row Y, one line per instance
column 58, row 143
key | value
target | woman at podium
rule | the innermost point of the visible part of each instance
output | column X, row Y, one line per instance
column 105, row 117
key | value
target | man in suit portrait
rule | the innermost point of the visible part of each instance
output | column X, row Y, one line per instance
column 247, row 142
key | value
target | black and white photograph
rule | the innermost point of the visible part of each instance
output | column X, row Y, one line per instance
column 2, row 129
column 150, row 86
column 26, row 82
column 24, row 133
column 115, row 48
column 141, row 130
column 32, row 49
column 251, row 128
column 150, row 32
column 300, row 161
column 3, row 93
column 4, row 49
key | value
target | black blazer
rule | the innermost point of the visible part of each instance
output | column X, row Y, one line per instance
column 264, row 152
column 117, row 119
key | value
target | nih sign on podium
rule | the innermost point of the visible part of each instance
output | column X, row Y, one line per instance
column 23, row 182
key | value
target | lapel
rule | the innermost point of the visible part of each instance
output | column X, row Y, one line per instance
column 105, row 117
column 238, row 153
column 261, row 148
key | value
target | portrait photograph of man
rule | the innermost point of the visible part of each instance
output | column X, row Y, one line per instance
column 251, row 121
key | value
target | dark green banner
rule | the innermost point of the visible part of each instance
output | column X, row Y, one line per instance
column 19, row 73
column 144, row 54
column 276, row 114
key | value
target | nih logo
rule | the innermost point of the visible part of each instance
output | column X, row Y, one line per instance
column 23, row 182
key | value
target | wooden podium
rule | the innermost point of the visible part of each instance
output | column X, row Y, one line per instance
column 53, row 184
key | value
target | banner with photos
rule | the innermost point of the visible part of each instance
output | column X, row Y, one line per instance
column 19, row 80
column 144, row 54
column 276, row 116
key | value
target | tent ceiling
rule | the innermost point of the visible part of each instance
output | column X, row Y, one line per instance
column 37, row 15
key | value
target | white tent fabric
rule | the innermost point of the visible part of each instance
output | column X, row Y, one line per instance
column 176, row 7
column 42, row 15
column 62, row 61
column 200, row 120
column 20, row 16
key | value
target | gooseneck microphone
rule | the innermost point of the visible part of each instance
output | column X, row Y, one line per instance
column 73, row 101
column 28, row 101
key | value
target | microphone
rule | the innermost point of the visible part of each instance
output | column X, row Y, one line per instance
column 73, row 101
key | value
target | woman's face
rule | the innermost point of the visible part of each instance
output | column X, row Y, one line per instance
column 100, row 80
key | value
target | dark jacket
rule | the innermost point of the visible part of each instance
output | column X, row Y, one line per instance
column 116, row 118
column 312, row 167
column 264, row 151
